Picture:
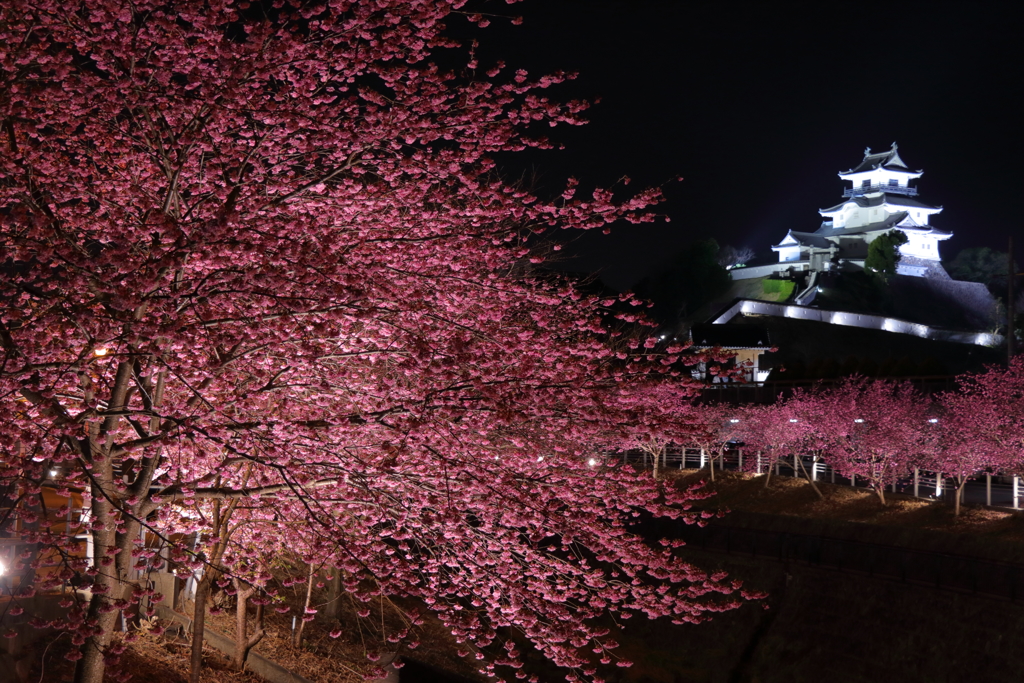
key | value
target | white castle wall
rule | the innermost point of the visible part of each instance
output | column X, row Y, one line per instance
column 763, row 271
column 871, row 322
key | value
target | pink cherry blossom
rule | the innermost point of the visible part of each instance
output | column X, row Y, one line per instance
column 268, row 259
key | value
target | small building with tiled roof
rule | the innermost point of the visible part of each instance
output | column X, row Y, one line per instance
column 880, row 199
column 748, row 342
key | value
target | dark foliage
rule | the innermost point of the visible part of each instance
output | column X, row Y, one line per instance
column 884, row 253
column 693, row 278
column 981, row 264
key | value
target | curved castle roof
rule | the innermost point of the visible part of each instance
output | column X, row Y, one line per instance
column 878, row 199
column 889, row 160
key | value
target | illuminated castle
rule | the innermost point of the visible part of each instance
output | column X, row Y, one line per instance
column 880, row 199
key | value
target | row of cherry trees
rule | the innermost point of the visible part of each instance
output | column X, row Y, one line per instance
column 880, row 431
column 263, row 288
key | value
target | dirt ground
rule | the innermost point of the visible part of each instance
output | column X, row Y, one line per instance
column 904, row 520
column 323, row 659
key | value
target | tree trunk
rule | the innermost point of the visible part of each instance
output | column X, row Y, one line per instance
column 199, row 627
column 241, row 630
column 112, row 549
column 332, row 608
column 768, row 477
column 810, row 480
column 880, row 490
column 222, row 532
column 106, row 589
column 297, row 636
column 91, row 666
column 656, row 457
column 112, row 585
column 961, row 484
column 243, row 643
column 711, row 463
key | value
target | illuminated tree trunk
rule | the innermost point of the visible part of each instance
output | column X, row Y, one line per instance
column 297, row 636
column 961, row 485
column 243, row 642
column 810, row 479
column 199, row 627
column 711, row 463
column 90, row 666
column 114, row 527
column 879, row 487
column 222, row 532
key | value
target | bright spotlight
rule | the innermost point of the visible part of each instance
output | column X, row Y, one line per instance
column 793, row 419
column 859, row 420
column 592, row 462
column 933, row 420
column 100, row 351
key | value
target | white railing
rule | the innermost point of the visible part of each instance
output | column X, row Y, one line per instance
column 892, row 189
column 1000, row 491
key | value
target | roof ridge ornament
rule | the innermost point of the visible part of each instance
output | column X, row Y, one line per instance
column 867, row 151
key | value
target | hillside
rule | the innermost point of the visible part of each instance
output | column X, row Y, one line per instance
column 930, row 301
column 809, row 349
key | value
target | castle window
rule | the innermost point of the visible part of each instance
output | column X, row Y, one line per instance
column 865, row 183
column 893, row 182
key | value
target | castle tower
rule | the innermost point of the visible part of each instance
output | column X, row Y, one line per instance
column 879, row 199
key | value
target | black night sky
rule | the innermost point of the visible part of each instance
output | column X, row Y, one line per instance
column 758, row 106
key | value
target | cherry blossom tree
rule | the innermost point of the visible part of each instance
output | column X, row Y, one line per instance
column 259, row 252
column 714, row 426
column 980, row 427
column 671, row 417
column 955, row 451
column 876, row 430
column 775, row 432
column 811, row 413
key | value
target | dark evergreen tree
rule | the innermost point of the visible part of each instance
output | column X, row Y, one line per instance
column 980, row 264
column 693, row 278
column 884, row 253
